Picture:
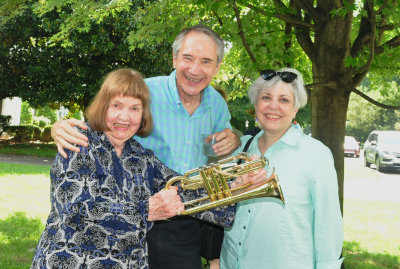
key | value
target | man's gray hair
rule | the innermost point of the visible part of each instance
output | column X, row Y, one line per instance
column 201, row 28
column 297, row 87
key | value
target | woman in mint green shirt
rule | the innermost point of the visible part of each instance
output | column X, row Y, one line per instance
column 307, row 231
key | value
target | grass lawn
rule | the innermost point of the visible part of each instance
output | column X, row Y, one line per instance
column 372, row 237
column 24, row 207
column 32, row 149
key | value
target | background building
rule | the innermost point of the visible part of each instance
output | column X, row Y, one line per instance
column 12, row 107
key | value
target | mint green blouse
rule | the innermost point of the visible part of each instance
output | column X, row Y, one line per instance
column 306, row 231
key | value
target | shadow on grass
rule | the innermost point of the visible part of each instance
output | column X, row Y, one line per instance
column 19, row 236
column 358, row 258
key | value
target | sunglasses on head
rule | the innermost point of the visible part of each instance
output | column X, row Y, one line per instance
column 286, row 76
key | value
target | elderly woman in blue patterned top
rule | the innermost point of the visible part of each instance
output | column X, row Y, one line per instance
column 104, row 198
column 307, row 231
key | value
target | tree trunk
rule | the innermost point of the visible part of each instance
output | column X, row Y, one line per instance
column 329, row 103
column 328, row 125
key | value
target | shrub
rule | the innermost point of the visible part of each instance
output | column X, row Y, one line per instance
column 41, row 121
column 4, row 122
column 42, row 124
column 21, row 133
column 46, row 134
column 36, row 132
column 74, row 115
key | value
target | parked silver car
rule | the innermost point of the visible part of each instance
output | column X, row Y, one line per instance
column 383, row 149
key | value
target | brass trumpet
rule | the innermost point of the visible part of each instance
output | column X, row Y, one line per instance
column 215, row 177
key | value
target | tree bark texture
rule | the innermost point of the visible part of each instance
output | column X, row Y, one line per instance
column 329, row 102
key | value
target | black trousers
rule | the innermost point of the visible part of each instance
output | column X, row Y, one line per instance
column 212, row 237
column 175, row 244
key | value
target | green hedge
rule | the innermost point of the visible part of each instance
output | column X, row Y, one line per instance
column 37, row 132
column 46, row 134
column 21, row 133
column 26, row 133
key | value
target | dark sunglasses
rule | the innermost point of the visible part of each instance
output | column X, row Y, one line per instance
column 286, row 76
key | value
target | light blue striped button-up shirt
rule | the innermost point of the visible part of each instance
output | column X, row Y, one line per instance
column 176, row 136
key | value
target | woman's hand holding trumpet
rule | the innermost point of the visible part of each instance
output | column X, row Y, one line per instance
column 165, row 204
column 254, row 179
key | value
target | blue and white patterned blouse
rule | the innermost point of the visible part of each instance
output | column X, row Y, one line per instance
column 99, row 207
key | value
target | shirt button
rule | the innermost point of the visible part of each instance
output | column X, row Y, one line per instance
column 244, row 227
column 240, row 243
column 249, row 210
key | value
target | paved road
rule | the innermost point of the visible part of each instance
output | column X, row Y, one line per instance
column 21, row 159
column 368, row 184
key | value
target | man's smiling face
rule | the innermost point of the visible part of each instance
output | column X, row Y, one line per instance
column 195, row 64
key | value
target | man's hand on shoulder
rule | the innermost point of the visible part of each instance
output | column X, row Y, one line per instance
column 64, row 134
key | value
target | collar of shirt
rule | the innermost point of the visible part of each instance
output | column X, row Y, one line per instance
column 98, row 138
column 205, row 98
column 292, row 136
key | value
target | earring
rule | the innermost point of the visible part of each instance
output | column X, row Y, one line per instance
column 257, row 123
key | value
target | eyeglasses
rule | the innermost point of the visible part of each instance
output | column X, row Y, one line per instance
column 286, row 76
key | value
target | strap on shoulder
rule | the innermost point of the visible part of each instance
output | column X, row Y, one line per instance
column 246, row 147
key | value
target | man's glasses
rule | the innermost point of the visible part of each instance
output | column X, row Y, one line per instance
column 286, row 76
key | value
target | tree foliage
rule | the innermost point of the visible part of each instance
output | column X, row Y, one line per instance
column 47, row 112
column 39, row 64
column 26, row 115
column 364, row 117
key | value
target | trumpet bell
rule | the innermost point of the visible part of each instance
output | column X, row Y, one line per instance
column 215, row 178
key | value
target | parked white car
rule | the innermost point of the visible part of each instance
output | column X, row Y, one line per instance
column 351, row 147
